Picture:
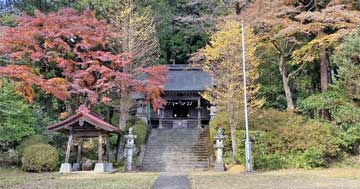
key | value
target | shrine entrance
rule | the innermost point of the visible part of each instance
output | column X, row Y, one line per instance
column 185, row 107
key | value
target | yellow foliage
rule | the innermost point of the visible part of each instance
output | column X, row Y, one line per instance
column 224, row 62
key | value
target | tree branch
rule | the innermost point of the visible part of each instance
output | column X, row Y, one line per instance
column 296, row 71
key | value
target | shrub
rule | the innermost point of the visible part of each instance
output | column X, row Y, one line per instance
column 31, row 140
column 270, row 119
column 280, row 141
column 270, row 161
column 263, row 158
column 310, row 158
column 298, row 138
column 348, row 138
column 40, row 157
column 140, row 128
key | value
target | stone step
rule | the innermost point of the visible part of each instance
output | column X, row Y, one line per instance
column 175, row 162
column 177, row 168
column 174, row 166
column 182, row 165
column 189, row 156
column 174, row 170
column 177, row 153
column 195, row 157
column 177, row 150
column 183, row 152
column 181, row 140
column 177, row 145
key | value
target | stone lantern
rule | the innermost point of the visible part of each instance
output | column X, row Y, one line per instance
column 130, row 145
column 219, row 146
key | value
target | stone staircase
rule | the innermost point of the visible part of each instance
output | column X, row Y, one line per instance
column 177, row 150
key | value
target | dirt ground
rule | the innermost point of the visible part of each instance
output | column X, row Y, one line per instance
column 342, row 178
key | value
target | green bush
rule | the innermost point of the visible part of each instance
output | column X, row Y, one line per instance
column 140, row 128
column 270, row 119
column 348, row 138
column 31, row 140
column 40, row 157
column 310, row 158
column 298, row 138
column 280, row 141
column 263, row 157
column 270, row 161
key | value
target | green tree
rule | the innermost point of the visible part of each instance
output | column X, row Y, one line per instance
column 17, row 118
column 347, row 58
column 183, row 26
column 342, row 98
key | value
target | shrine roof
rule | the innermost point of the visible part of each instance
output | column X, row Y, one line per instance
column 184, row 77
column 84, row 114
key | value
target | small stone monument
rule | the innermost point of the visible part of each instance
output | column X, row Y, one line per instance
column 219, row 146
column 130, row 145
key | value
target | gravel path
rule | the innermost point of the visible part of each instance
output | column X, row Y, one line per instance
column 172, row 181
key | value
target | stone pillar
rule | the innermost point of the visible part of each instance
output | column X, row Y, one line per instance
column 130, row 145
column 66, row 167
column 219, row 146
column 199, row 113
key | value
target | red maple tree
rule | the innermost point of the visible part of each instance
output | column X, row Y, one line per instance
column 76, row 46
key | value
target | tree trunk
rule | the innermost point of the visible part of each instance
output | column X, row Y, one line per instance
column 125, row 105
column 288, row 95
column 123, row 118
column 120, row 148
column 324, row 74
column 232, row 131
column 324, row 79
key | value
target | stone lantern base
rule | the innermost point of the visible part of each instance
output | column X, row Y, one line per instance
column 219, row 166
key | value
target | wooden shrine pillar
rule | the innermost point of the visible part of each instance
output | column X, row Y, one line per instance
column 199, row 113
column 108, row 155
column 68, row 147
column 100, row 148
column 78, row 154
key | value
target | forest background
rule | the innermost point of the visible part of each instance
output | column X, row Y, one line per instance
column 303, row 64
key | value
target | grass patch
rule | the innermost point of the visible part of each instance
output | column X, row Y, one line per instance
column 344, row 178
column 16, row 179
column 280, row 179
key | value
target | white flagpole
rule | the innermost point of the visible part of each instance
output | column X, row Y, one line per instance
column 247, row 140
